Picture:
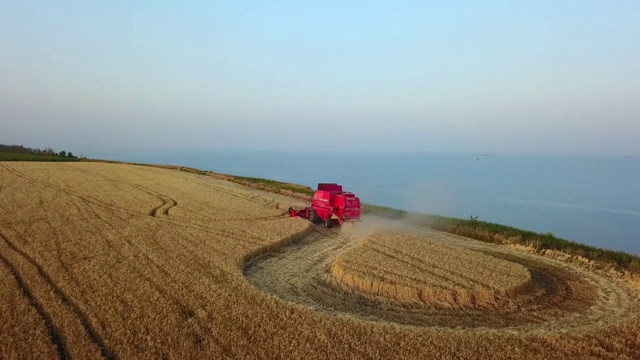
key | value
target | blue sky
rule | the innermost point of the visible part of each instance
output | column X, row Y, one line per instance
column 467, row 76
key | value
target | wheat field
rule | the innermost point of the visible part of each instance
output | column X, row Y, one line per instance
column 120, row 261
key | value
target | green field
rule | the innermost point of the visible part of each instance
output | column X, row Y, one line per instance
column 4, row 156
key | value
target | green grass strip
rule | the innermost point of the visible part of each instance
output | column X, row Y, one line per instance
column 33, row 157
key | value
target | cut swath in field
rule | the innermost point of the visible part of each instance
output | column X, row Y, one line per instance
column 562, row 298
column 410, row 269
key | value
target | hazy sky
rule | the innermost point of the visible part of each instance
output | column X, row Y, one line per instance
column 468, row 76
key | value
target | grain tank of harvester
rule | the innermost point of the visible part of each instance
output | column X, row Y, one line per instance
column 330, row 205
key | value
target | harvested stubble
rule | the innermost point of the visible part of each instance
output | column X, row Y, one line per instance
column 119, row 261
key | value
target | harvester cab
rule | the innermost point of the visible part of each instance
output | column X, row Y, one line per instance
column 330, row 205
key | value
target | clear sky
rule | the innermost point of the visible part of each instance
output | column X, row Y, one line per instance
column 465, row 76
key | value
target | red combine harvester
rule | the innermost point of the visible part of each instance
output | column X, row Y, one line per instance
column 330, row 204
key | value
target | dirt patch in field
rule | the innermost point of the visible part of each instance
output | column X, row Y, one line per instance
column 561, row 297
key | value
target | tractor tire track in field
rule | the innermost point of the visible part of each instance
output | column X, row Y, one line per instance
column 70, row 304
column 162, row 209
column 168, row 203
column 2, row 170
column 141, row 251
column 85, row 197
column 562, row 297
column 163, row 289
column 52, row 331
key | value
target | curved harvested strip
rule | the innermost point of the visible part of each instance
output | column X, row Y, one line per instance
column 559, row 297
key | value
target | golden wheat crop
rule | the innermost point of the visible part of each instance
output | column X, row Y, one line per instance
column 114, row 258
column 410, row 268
column 119, row 261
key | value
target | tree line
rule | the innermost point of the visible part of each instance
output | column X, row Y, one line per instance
column 20, row 149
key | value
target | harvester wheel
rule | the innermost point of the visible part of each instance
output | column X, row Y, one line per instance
column 313, row 216
column 328, row 223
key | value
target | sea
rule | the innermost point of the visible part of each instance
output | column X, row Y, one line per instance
column 593, row 200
